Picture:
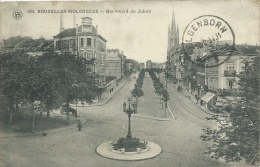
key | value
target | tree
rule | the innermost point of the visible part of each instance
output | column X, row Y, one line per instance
column 45, row 80
column 237, row 137
column 14, row 79
column 52, row 81
column 138, row 91
column 58, row 74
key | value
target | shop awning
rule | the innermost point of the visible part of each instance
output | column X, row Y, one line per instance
column 207, row 97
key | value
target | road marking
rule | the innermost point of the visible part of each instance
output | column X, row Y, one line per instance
column 171, row 112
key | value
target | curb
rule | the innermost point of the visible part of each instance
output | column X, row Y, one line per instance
column 72, row 126
column 93, row 105
column 153, row 118
column 103, row 151
column 171, row 112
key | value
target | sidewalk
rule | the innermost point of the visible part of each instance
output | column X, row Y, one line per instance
column 73, row 124
column 192, row 98
column 106, row 96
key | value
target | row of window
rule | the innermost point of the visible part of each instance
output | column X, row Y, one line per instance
column 214, row 83
column 89, row 55
column 88, row 42
column 230, row 66
column 70, row 43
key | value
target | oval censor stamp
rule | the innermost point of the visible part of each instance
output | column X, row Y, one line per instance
column 213, row 36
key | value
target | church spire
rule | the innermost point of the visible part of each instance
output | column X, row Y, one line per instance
column 173, row 28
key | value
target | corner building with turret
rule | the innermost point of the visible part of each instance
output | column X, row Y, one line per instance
column 86, row 42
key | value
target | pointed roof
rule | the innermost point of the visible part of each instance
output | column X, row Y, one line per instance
column 173, row 28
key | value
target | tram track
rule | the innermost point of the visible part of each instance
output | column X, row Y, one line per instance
column 185, row 116
column 186, row 109
column 191, row 116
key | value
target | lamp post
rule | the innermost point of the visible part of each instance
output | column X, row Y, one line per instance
column 129, row 111
column 162, row 101
column 75, row 85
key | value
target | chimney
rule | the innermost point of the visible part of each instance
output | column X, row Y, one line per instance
column 97, row 28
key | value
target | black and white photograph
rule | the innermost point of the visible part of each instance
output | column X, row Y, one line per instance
column 129, row 83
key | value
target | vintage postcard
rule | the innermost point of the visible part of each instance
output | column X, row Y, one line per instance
column 129, row 83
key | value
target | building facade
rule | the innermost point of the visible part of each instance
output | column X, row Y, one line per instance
column 142, row 66
column 129, row 67
column 174, row 61
column 224, row 76
column 148, row 64
column 85, row 42
column 115, row 63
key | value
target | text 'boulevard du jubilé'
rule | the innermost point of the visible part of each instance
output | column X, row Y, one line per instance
column 128, row 11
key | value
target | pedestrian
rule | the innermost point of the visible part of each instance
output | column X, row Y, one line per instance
column 197, row 98
column 79, row 125
column 201, row 102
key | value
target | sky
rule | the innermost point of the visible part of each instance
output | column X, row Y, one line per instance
column 141, row 36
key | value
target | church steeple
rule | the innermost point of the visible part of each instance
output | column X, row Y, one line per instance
column 174, row 32
column 173, row 28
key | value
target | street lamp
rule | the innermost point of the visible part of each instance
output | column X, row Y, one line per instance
column 75, row 85
column 129, row 111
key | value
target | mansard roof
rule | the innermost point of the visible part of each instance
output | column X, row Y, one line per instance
column 66, row 33
column 248, row 49
column 72, row 32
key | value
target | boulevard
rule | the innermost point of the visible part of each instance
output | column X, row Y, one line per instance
column 111, row 84
column 179, row 138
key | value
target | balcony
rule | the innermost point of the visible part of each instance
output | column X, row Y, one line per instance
column 230, row 73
